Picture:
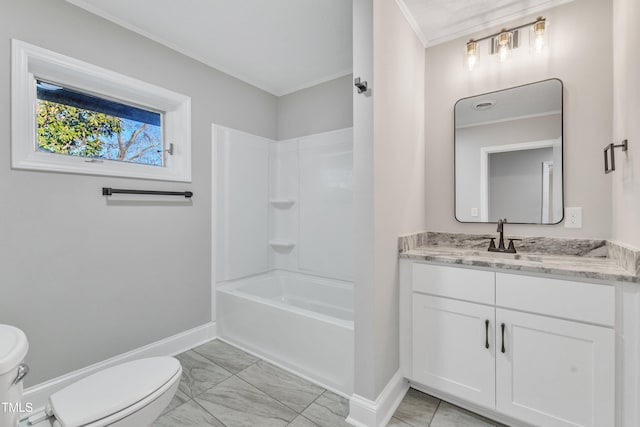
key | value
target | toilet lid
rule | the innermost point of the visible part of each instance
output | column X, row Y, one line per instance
column 111, row 390
column 13, row 348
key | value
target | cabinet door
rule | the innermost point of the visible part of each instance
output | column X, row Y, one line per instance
column 554, row 372
column 450, row 351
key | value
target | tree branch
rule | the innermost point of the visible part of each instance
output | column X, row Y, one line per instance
column 141, row 152
column 132, row 139
column 120, row 146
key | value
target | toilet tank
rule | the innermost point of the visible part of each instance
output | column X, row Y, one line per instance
column 13, row 349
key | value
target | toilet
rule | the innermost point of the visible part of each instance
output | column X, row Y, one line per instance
column 132, row 394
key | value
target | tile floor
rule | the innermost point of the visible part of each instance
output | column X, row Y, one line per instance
column 421, row 410
column 223, row 386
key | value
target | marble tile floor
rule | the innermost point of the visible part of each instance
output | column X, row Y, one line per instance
column 223, row 386
column 421, row 410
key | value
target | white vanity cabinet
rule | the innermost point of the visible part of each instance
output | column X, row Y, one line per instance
column 534, row 349
column 555, row 372
column 450, row 350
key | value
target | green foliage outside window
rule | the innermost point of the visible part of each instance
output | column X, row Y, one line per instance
column 65, row 129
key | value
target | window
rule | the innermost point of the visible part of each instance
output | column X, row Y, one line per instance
column 77, row 124
column 70, row 116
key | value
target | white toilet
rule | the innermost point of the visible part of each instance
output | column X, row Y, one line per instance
column 132, row 394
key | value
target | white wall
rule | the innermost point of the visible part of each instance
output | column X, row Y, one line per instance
column 363, row 221
column 626, row 112
column 315, row 173
column 87, row 280
column 580, row 55
column 321, row 108
column 398, row 67
column 270, row 193
column 241, row 167
column 325, row 242
column 388, row 180
column 284, row 218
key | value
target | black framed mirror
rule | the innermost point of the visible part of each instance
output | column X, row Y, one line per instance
column 508, row 155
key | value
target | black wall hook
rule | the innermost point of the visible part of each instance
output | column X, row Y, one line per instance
column 610, row 165
column 362, row 86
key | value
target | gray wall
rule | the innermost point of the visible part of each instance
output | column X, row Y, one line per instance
column 515, row 184
column 321, row 108
column 585, row 69
column 87, row 280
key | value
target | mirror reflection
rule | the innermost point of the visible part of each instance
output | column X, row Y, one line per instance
column 508, row 155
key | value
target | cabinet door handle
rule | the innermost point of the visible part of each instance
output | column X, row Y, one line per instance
column 502, row 327
column 486, row 333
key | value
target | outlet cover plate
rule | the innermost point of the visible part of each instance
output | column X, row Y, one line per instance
column 573, row 217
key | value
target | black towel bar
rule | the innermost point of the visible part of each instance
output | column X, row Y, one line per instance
column 107, row 191
column 610, row 165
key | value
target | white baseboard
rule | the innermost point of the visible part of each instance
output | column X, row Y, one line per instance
column 170, row 346
column 367, row 413
column 480, row 410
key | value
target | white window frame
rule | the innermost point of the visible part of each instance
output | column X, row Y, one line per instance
column 31, row 62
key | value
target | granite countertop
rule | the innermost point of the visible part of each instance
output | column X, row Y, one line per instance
column 592, row 259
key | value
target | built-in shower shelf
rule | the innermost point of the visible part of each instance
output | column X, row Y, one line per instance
column 281, row 244
column 282, row 203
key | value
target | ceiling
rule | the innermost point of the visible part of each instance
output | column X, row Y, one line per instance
column 277, row 45
column 438, row 21
column 282, row 46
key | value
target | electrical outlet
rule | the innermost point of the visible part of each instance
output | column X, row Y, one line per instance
column 573, row 217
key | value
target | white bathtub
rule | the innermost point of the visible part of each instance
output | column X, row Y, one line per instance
column 301, row 322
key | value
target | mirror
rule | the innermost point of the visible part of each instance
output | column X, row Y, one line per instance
column 508, row 155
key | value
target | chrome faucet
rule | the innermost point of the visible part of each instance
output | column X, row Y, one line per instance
column 492, row 244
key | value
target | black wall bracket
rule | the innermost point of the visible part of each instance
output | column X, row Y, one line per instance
column 610, row 157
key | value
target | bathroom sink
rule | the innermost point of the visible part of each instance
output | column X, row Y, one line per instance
column 482, row 254
column 502, row 255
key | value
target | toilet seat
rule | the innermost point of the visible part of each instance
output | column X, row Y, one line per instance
column 115, row 393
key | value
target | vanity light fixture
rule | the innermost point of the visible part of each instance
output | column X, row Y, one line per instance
column 507, row 39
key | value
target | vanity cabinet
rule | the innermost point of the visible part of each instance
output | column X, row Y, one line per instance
column 534, row 349
column 453, row 347
column 555, row 372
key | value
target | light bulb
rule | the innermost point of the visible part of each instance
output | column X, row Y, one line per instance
column 471, row 61
column 539, row 28
column 472, row 54
column 504, row 44
column 539, row 43
column 504, row 53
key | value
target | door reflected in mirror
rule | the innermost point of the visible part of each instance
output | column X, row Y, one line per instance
column 508, row 155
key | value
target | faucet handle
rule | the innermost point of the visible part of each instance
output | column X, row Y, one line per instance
column 492, row 243
column 512, row 247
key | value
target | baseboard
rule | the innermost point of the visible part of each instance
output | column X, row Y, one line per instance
column 169, row 346
column 367, row 413
column 480, row 410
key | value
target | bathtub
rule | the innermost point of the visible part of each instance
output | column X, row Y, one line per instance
column 301, row 322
